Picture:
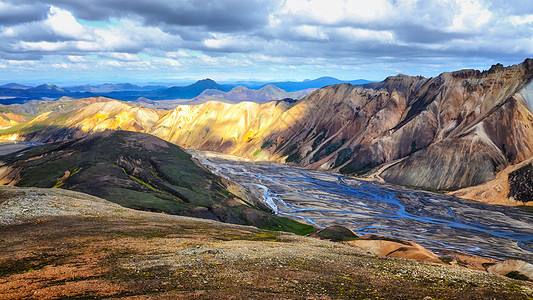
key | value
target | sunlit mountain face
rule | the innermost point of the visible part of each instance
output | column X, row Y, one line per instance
column 457, row 130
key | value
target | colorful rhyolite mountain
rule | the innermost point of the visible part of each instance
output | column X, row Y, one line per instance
column 453, row 131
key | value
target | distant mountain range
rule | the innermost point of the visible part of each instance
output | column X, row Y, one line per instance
column 240, row 93
column 15, row 86
column 292, row 86
column 12, row 93
column 114, row 87
column 186, row 92
column 21, row 94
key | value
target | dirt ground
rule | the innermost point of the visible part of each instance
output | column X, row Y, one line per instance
column 166, row 257
column 59, row 244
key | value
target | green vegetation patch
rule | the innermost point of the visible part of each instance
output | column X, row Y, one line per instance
column 446, row 260
column 143, row 172
column 289, row 225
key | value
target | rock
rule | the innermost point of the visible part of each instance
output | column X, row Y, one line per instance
column 521, row 184
column 456, row 258
column 335, row 234
column 498, row 191
column 516, row 269
column 390, row 247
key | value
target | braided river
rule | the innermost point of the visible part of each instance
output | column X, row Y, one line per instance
column 437, row 222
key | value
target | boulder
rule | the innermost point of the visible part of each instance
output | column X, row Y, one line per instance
column 516, row 269
column 389, row 247
column 335, row 234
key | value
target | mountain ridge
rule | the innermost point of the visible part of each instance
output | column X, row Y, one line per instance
column 452, row 131
column 17, row 93
column 241, row 93
column 292, row 86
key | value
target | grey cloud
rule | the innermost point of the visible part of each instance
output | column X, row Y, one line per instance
column 187, row 24
column 419, row 34
column 18, row 14
column 213, row 15
column 186, row 33
column 7, row 52
column 35, row 33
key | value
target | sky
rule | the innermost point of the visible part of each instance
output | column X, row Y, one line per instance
column 97, row 41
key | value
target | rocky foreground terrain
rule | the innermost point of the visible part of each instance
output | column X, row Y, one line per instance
column 57, row 244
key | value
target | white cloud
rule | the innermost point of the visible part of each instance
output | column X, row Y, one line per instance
column 521, row 20
column 471, row 15
column 333, row 12
column 60, row 66
column 267, row 58
column 313, row 32
column 168, row 62
column 112, row 63
column 358, row 34
column 21, row 62
column 63, row 23
column 43, row 46
column 207, row 59
column 178, row 54
column 9, row 32
column 219, row 41
column 123, row 56
column 240, row 43
column 77, row 59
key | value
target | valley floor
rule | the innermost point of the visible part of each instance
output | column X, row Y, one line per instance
column 438, row 222
column 61, row 244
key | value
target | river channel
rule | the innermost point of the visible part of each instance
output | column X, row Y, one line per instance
column 436, row 221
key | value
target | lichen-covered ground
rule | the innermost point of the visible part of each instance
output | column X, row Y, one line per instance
column 121, row 253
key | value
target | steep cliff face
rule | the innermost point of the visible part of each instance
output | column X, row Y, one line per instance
column 344, row 124
column 484, row 126
column 455, row 130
